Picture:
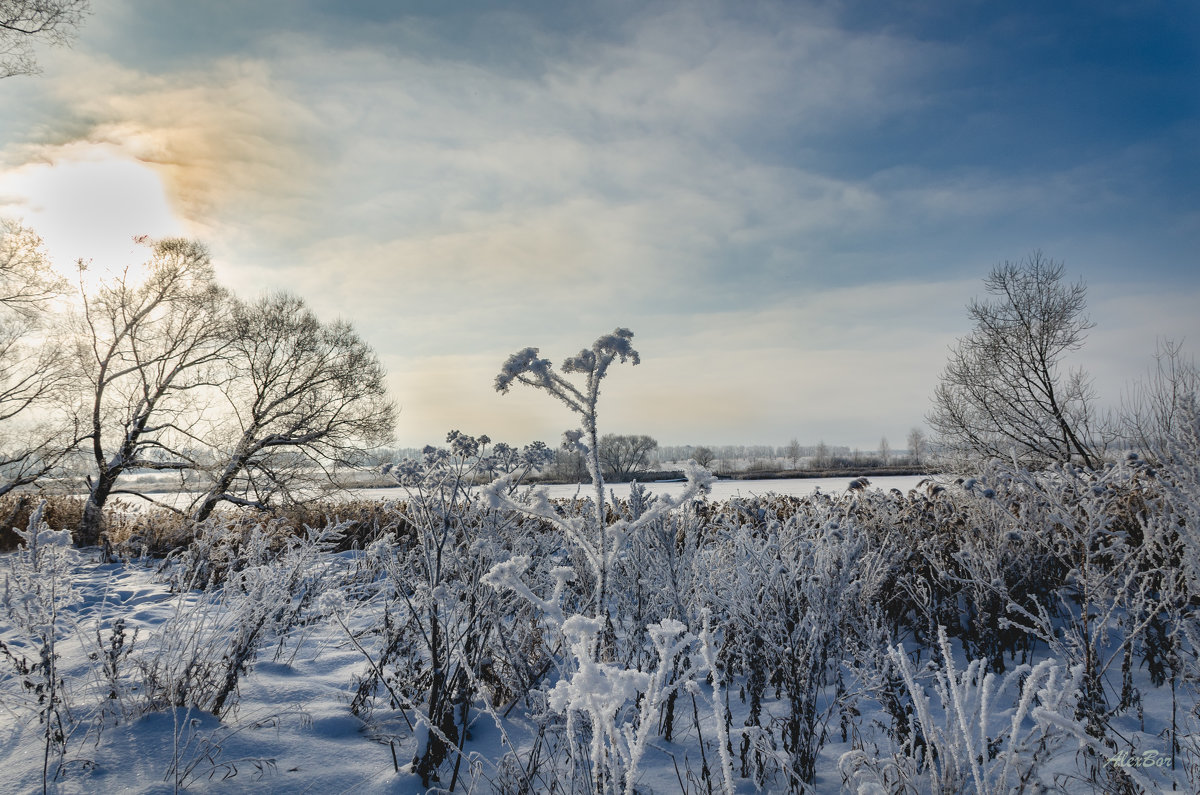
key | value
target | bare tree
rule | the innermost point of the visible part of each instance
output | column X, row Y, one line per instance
column 25, row 21
column 1003, row 391
column 916, row 446
column 27, row 281
column 1156, row 408
column 703, row 456
column 569, row 464
column 821, row 456
column 305, row 397
column 793, row 452
column 622, row 455
column 149, row 350
column 885, row 451
column 36, row 428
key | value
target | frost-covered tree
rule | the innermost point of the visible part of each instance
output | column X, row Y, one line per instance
column 23, row 22
column 821, row 455
column 1160, row 406
column 1004, row 391
column 148, row 350
column 793, row 451
column 623, row 455
column 568, row 465
column 916, row 446
column 27, row 281
column 703, row 456
column 304, row 397
column 36, row 429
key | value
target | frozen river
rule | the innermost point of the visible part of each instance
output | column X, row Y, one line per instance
column 721, row 489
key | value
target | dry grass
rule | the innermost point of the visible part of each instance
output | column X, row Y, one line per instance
column 15, row 509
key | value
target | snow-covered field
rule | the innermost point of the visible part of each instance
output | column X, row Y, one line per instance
column 849, row 641
column 290, row 731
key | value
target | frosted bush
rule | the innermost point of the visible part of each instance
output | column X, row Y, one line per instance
column 792, row 595
column 619, row 704
column 969, row 738
column 38, row 597
column 444, row 627
column 212, row 638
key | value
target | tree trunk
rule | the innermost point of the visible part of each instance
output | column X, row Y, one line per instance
column 92, row 523
column 237, row 462
column 213, row 498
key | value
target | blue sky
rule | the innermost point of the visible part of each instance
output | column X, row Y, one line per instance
column 789, row 203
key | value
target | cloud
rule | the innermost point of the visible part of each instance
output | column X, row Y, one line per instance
column 224, row 140
column 626, row 161
column 758, row 191
column 570, row 183
column 88, row 202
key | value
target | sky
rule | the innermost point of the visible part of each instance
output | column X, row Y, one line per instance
column 789, row 203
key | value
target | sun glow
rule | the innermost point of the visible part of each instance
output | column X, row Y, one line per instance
column 88, row 202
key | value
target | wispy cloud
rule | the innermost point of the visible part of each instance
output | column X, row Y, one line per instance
column 782, row 205
column 225, row 141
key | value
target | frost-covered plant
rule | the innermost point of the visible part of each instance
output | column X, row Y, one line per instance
column 654, row 575
column 1176, row 522
column 611, row 746
column 1179, row 476
column 447, row 638
column 518, row 464
column 619, row 703
column 112, row 672
column 213, row 637
column 1105, row 599
column 441, row 620
column 38, row 597
column 609, row 740
column 1084, row 562
column 575, row 527
column 792, row 594
column 986, row 562
column 526, row 368
column 720, row 710
column 968, row 739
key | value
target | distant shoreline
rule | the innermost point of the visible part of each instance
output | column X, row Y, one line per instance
column 783, row 474
column 656, row 476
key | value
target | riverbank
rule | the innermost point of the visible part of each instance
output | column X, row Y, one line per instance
column 667, row 475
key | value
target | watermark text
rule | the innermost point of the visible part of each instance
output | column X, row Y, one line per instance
column 1149, row 758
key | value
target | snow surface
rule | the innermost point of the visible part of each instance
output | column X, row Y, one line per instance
column 292, row 730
